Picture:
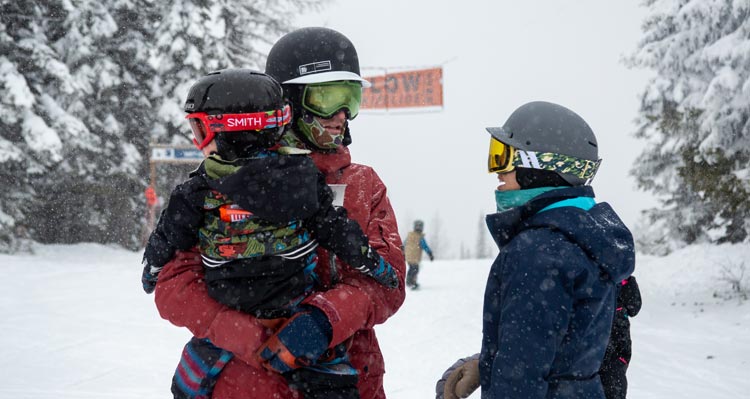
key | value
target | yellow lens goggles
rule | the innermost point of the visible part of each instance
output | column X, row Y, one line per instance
column 326, row 99
column 504, row 158
column 501, row 157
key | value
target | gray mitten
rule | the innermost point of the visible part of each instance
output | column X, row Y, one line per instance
column 460, row 379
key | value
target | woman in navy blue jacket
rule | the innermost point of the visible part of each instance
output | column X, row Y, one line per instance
column 550, row 294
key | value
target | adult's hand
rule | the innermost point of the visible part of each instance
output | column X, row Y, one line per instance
column 299, row 342
column 460, row 380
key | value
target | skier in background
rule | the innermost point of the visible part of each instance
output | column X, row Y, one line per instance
column 413, row 247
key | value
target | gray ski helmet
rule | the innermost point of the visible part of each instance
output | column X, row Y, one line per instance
column 314, row 55
column 418, row 225
column 546, row 127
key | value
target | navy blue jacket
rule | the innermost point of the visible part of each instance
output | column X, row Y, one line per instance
column 550, row 297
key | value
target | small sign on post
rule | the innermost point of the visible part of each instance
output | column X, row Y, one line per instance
column 175, row 154
column 406, row 89
column 180, row 157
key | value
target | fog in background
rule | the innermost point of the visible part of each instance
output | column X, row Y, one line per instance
column 496, row 56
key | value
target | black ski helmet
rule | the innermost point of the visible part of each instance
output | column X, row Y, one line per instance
column 546, row 127
column 235, row 91
column 312, row 55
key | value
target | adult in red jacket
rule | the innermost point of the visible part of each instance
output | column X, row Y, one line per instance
column 352, row 303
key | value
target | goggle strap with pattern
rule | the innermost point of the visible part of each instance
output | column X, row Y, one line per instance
column 582, row 168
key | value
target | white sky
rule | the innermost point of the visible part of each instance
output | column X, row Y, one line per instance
column 496, row 55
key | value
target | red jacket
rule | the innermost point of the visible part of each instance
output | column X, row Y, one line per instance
column 353, row 302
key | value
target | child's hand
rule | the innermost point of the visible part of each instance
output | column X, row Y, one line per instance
column 149, row 278
column 380, row 270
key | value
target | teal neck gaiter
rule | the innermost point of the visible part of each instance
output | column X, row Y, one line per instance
column 513, row 198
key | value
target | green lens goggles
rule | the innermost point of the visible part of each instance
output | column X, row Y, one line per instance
column 326, row 99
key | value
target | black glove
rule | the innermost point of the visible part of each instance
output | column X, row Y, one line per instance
column 630, row 296
column 149, row 277
column 432, row 257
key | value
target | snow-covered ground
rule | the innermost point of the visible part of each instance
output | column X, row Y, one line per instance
column 75, row 323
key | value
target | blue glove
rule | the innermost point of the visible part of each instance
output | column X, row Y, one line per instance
column 380, row 270
column 299, row 342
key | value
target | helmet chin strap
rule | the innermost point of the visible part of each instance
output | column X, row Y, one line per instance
column 347, row 135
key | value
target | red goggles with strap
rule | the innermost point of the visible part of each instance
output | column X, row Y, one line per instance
column 205, row 126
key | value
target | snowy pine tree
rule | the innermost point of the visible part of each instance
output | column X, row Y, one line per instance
column 88, row 84
column 196, row 37
column 463, row 252
column 34, row 112
column 76, row 138
column 434, row 235
column 483, row 249
column 93, row 194
column 695, row 120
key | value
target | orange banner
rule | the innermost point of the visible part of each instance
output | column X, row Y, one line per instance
column 407, row 89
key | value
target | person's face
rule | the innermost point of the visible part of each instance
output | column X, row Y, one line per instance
column 209, row 148
column 325, row 133
column 334, row 126
column 326, row 106
column 508, row 181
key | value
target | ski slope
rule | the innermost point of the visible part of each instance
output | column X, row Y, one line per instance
column 76, row 324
